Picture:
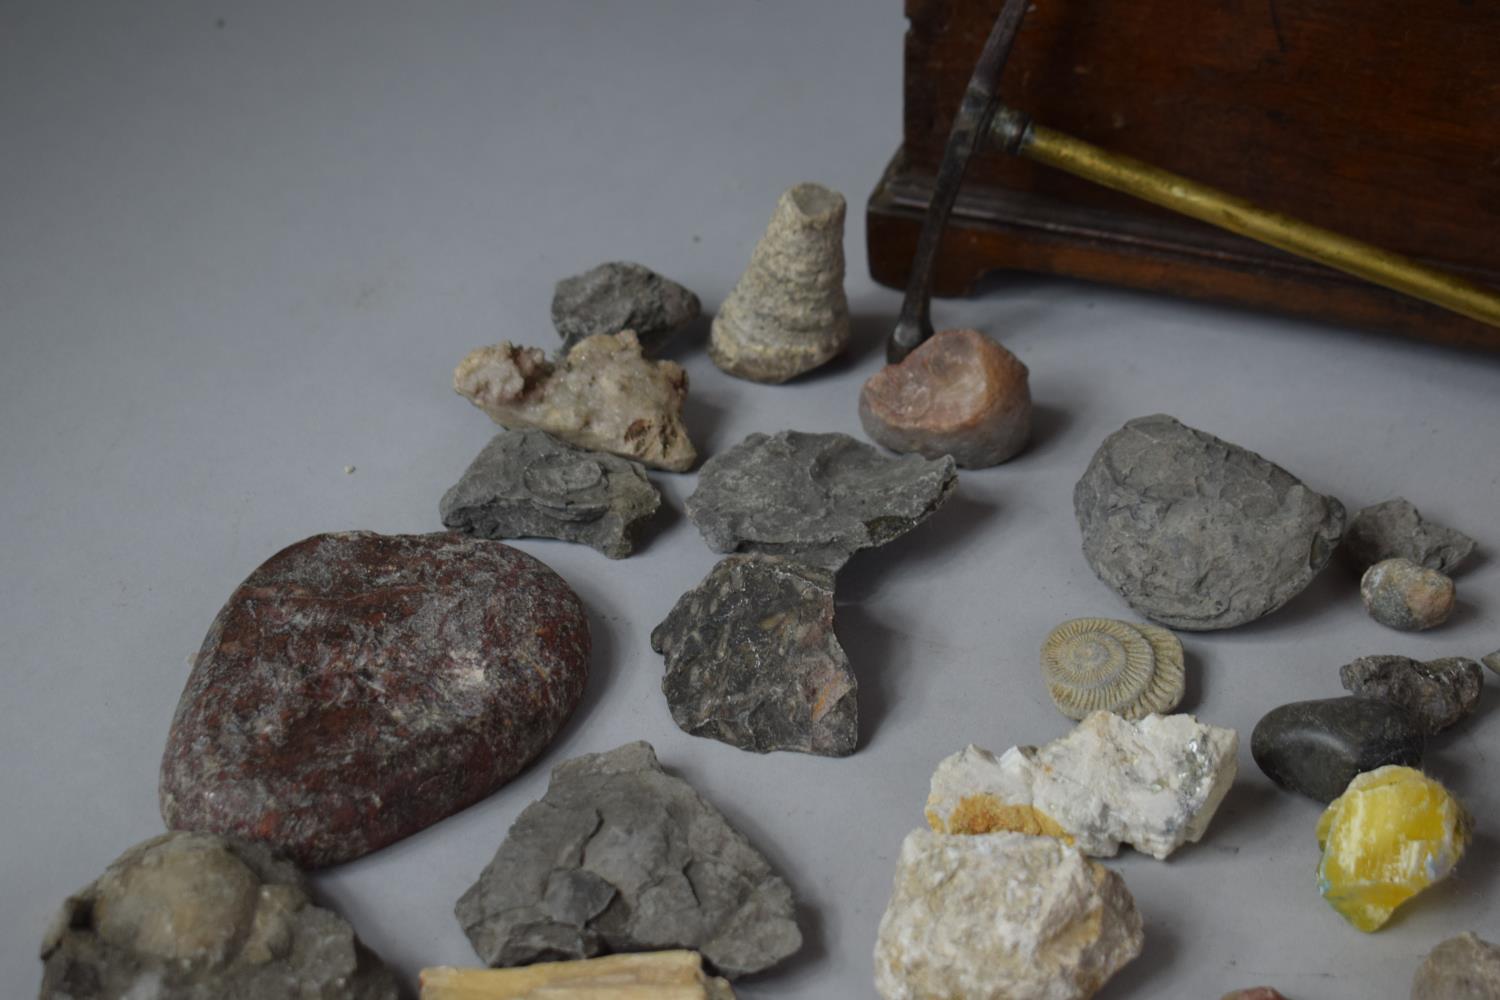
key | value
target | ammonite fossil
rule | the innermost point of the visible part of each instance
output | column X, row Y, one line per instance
column 1102, row 664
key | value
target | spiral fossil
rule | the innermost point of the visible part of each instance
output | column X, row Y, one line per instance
column 1102, row 664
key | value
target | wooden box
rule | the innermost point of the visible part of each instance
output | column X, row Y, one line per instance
column 1379, row 119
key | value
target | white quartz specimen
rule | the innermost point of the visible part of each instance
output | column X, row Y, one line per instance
column 1002, row 916
column 1153, row 784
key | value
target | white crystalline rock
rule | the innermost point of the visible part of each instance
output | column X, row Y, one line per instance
column 1002, row 916
column 1154, row 784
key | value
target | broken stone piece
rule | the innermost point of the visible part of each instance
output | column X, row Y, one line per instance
column 1154, row 784
column 1002, row 916
column 958, row 394
column 752, row 659
column 1393, row 833
column 1198, row 533
column 194, row 916
column 1492, row 661
column 603, row 396
column 818, row 497
column 1438, row 693
column 620, row 856
column 1465, row 967
column 619, row 296
column 529, row 484
column 1106, row 665
column 1317, row 747
column 1403, row 595
column 357, row 688
column 788, row 313
column 657, row 975
column 1397, row 530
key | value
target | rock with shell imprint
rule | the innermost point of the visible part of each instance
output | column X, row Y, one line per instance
column 1102, row 664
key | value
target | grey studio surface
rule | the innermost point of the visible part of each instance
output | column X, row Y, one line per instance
column 242, row 247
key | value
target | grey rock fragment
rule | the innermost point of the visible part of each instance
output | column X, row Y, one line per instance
column 1397, row 530
column 620, row 856
column 1198, row 533
column 752, row 659
column 528, row 484
column 1465, row 967
column 1492, row 661
column 818, row 497
column 194, row 916
column 1436, row 694
column 1404, row 595
column 622, row 295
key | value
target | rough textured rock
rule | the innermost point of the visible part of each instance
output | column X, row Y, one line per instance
column 1198, row 533
column 1437, row 694
column 1403, row 595
column 788, row 313
column 819, row 497
column 1466, row 967
column 620, row 856
column 357, row 688
column 1154, row 784
column 1106, row 665
column 1317, row 747
column 528, row 484
column 1002, row 917
column 657, row 975
column 958, row 394
column 1397, row 530
column 752, row 659
column 622, row 295
column 193, row 916
column 604, row 396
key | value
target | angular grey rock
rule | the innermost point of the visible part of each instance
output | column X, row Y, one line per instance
column 1404, row 595
column 622, row 295
column 1465, row 967
column 1397, row 530
column 1436, row 694
column 818, row 497
column 194, row 916
column 621, row 856
column 752, row 660
column 1198, row 533
column 528, row 484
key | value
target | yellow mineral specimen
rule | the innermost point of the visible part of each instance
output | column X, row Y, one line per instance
column 1393, row 833
column 661, row 975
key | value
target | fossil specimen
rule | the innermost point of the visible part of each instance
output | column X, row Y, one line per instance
column 1101, row 664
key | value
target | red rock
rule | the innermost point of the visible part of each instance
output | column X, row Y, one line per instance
column 1254, row 993
column 358, row 687
column 958, row 394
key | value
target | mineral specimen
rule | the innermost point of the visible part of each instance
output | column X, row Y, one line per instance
column 1396, row 530
column 357, row 688
column 819, row 497
column 604, row 396
column 1154, row 784
column 1002, row 917
column 1101, row 664
column 1466, row 967
column 619, row 296
column 788, row 313
column 620, row 856
column 528, row 484
column 1393, row 833
column 658, row 975
column 752, row 659
column 1403, row 595
column 958, row 394
column 1437, row 694
column 193, row 916
column 1198, row 533
column 1317, row 747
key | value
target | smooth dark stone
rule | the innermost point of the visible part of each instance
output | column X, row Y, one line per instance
column 1437, row 694
column 1317, row 747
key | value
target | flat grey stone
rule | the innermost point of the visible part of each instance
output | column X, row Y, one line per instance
column 752, row 660
column 529, row 484
column 1198, row 533
column 1397, row 530
column 818, row 497
column 1437, row 694
column 622, row 295
column 620, row 856
column 195, row 916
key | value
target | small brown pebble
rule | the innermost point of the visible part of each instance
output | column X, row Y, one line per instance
column 959, row 394
column 1254, row 993
column 1406, row 596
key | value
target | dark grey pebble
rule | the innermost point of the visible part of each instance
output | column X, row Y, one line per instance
column 1317, row 747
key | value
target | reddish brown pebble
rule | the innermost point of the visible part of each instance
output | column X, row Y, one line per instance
column 959, row 394
column 1254, row 993
column 358, row 687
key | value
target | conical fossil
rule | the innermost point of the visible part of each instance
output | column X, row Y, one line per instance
column 788, row 314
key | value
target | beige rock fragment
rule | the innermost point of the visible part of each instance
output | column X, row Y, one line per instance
column 660, row 975
column 604, row 396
